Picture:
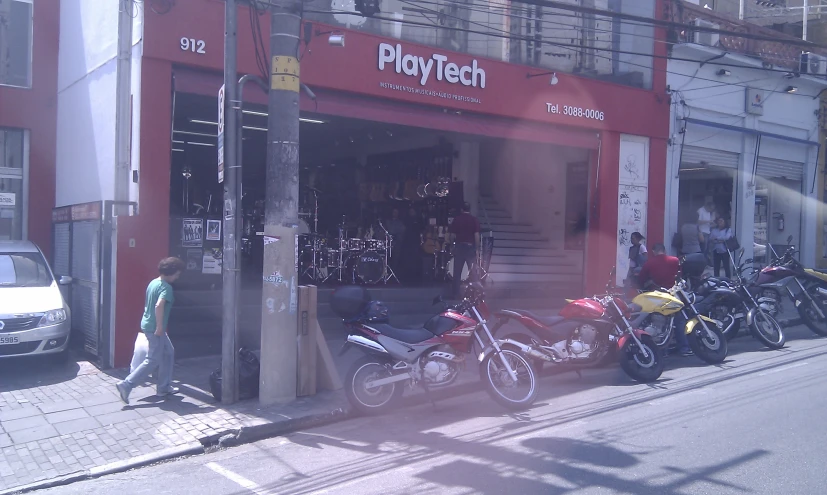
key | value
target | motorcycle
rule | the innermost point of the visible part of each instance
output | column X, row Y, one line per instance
column 657, row 311
column 584, row 333
column 733, row 303
column 811, row 297
column 431, row 356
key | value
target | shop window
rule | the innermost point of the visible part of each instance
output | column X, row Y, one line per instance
column 16, row 24
column 13, row 165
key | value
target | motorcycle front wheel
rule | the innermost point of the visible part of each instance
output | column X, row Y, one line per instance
column 810, row 316
column 710, row 347
column 499, row 385
column 639, row 367
column 767, row 330
column 371, row 400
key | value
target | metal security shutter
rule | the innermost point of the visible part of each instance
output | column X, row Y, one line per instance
column 693, row 156
column 85, row 274
column 770, row 168
column 61, row 252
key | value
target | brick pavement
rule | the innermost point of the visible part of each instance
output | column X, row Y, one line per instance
column 61, row 419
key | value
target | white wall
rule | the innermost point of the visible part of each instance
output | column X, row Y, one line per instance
column 86, row 99
column 699, row 93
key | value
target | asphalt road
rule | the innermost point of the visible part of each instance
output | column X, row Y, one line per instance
column 752, row 425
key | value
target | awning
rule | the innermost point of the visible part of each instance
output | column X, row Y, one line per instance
column 392, row 112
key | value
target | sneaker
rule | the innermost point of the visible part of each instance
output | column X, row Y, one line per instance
column 171, row 391
column 687, row 353
column 123, row 391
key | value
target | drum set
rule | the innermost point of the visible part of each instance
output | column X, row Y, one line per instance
column 347, row 259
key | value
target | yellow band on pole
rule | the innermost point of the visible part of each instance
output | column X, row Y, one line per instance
column 284, row 73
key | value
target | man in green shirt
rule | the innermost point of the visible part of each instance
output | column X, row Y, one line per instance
column 161, row 354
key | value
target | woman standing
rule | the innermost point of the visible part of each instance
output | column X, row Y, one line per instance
column 718, row 237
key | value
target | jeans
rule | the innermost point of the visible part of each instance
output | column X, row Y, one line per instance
column 464, row 253
column 161, row 355
column 680, row 333
column 719, row 259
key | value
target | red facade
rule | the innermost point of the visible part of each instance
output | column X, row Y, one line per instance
column 351, row 76
column 35, row 109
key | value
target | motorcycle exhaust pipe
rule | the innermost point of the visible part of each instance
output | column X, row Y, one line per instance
column 528, row 350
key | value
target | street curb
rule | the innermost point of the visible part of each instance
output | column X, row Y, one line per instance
column 191, row 448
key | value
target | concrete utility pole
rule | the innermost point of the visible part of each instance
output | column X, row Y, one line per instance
column 123, row 95
column 281, row 216
column 231, row 262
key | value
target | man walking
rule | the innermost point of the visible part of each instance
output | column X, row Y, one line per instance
column 465, row 233
column 161, row 354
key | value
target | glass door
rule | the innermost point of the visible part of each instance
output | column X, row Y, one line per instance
column 12, row 177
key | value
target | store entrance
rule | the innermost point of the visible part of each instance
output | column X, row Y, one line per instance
column 701, row 186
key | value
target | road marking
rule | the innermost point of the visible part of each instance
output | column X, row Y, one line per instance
column 783, row 368
column 238, row 479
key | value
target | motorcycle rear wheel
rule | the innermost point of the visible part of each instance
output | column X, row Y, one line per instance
column 498, row 381
column 767, row 330
column 712, row 349
column 643, row 369
column 378, row 399
column 810, row 317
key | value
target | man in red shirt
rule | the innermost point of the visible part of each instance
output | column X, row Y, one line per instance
column 465, row 233
column 661, row 269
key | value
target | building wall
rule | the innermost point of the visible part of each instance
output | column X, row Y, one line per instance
column 35, row 109
column 699, row 93
column 86, row 99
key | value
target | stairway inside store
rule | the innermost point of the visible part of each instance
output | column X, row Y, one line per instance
column 523, row 254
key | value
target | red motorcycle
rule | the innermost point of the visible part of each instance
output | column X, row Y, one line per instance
column 585, row 333
column 431, row 356
column 810, row 296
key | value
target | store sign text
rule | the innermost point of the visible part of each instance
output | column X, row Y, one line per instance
column 193, row 45
column 415, row 66
column 7, row 199
column 570, row 111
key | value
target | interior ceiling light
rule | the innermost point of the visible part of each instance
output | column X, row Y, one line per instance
column 312, row 121
column 253, row 112
column 196, row 121
column 177, row 142
column 200, row 144
column 195, row 133
column 176, row 149
column 791, row 89
column 255, row 128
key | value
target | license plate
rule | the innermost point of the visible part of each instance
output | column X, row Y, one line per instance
column 9, row 340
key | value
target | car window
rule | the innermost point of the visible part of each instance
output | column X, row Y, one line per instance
column 24, row 270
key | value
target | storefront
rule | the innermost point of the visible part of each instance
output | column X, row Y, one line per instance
column 537, row 157
column 750, row 150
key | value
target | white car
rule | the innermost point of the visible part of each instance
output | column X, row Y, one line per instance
column 34, row 317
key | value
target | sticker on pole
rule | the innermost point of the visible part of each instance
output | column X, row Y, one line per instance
column 221, row 134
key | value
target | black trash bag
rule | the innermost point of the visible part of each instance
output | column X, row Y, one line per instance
column 249, row 369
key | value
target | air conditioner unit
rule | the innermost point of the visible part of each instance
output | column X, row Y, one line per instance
column 705, row 37
column 813, row 64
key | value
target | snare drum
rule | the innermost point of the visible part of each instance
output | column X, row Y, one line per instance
column 355, row 245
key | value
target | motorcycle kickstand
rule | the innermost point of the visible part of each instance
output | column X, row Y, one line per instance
column 428, row 393
column 579, row 375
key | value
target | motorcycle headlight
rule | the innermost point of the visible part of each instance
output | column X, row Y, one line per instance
column 53, row 317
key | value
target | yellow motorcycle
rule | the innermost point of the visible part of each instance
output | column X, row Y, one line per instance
column 659, row 313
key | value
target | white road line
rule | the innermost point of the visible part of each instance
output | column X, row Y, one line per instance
column 783, row 368
column 238, row 479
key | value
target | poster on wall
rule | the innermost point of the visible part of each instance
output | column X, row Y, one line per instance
column 212, row 263
column 631, row 217
column 213, row 230
column 194, row 258
column 192, row 232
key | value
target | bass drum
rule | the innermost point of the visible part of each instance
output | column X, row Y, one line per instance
column 370, row 267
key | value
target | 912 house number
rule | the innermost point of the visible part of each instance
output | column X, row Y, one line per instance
column 193, row 45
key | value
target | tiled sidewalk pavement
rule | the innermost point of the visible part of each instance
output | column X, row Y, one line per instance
column 65, row 419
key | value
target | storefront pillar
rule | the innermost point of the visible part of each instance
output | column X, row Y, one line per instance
column 602, row 240
column 745, row 185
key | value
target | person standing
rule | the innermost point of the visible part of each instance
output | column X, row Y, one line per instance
column 718, row 237
column 637, row 255
column 706, row 220
column 465, row 234
column 154, row 324
column 690, row 237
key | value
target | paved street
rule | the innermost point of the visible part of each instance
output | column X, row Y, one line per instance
column 751, row 425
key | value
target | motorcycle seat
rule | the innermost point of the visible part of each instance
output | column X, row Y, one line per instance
column 548, row 321
column 406, row 335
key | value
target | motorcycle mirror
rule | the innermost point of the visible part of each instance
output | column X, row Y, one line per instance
column 790, row 239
